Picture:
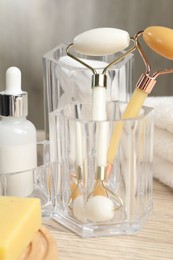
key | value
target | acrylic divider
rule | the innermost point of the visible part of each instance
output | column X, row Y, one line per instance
column 66, row 81
column 43, row 178
column 89, row 202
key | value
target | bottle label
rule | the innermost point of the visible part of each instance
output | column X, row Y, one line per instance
column 16, row 163
column 16, row 158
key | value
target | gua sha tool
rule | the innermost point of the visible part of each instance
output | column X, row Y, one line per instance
column 99, row 42
column 160, row 40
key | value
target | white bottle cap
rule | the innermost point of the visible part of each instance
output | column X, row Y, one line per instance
column 13, row 101
column 13, row 81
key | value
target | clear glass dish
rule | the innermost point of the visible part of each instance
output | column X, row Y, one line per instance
column 93, row 200
column 42, row 179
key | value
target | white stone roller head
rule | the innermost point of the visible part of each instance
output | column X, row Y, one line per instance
column 101, row 41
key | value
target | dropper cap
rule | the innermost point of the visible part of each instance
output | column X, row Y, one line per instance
column 13, row 101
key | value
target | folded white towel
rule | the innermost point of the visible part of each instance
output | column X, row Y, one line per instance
column 163, row 138
column 163, row 144
column 163, row 170
column 163, row 111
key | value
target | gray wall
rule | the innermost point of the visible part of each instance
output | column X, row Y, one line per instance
column 29, row 28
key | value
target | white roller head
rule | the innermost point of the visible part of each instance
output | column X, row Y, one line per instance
column 101, row 41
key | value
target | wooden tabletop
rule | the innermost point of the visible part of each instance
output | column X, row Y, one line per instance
column 155, row 241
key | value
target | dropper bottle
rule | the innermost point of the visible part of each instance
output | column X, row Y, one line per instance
column 18, row 154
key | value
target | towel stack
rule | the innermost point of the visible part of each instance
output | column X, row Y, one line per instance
column 163, row 138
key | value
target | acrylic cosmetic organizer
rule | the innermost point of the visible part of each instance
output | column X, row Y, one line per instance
column 66, row 81
column 121, row 198
column 41, row 179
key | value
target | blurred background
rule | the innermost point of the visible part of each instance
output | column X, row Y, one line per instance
column 29, row 29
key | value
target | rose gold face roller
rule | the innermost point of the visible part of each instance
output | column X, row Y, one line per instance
column 160, row 40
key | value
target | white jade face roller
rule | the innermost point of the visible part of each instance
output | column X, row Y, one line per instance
column 100, row 42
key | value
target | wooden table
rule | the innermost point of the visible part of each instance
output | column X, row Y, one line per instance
column 155, row 241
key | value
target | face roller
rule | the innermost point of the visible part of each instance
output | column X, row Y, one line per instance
column 160, row 40
column 99, row 42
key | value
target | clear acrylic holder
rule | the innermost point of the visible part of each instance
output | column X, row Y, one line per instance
column 43, row 180
column 121, row 200
column 67, row 81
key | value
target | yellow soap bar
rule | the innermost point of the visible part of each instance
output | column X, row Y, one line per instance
column 20, row 219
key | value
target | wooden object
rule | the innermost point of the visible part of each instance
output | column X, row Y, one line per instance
column 43, row 247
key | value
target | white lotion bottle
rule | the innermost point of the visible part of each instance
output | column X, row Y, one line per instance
column 18, row 150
